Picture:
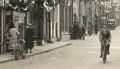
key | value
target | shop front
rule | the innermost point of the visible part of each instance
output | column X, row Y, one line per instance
column 15, row 13
column 16, row 18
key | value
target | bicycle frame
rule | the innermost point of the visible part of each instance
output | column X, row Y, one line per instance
column 105, row 52
column 18, row 50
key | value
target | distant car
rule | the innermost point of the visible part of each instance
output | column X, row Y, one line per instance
column 112, row 24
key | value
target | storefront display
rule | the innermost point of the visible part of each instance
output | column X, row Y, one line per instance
column 16, row 18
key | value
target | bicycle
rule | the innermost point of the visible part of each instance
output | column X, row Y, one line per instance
column 19, row 50
column 105, row 51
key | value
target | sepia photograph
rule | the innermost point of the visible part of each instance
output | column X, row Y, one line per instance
column 59, row 34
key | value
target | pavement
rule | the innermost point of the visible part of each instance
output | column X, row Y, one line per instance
column 36, row 51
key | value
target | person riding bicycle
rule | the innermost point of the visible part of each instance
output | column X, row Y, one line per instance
column 105, row 36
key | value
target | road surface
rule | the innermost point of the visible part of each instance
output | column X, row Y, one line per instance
column 82, row 54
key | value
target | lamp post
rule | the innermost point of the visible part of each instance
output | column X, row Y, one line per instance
column 66, row 14
column 2, row 4
column 68, row 9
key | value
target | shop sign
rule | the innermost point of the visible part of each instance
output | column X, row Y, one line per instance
column 15, row 14
column 19, row 16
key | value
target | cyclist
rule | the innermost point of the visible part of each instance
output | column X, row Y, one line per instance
column 105, row 36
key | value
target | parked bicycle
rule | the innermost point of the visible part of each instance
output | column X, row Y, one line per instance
column 18, row 50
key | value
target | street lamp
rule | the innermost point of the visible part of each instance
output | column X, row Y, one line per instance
column 2, row 26
column 69, row 2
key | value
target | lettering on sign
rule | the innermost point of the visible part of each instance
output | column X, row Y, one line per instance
column 19, row 16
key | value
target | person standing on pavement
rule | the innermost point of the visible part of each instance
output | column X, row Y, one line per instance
column 13, row 36
column 90, row 29
column 96, row 28
column 76, row 31
column 83, row 32
column 29, row 44
column 79, row 32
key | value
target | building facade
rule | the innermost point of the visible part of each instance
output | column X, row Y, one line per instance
column 66, row 18
column 12, row 12
column 51, row 20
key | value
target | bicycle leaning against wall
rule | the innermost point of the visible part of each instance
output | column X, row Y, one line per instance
column 18, row 50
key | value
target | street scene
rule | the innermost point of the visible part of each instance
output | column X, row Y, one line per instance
column 79, row 55
column 59, row 34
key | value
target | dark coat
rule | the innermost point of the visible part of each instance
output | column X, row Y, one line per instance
column 83, row 29
column 96, row 29
column 29, row 38
column 76, row 31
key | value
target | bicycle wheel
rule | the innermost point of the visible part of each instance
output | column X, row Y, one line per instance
column 104, row 56
column 104, row 59
column 17, row 55
column 23, row 55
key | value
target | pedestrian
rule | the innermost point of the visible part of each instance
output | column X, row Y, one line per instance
column 96, row 28
column 29, row 44
column 80, row 32
column 72, row 32
column 83, row 32
column 13, row 36
column 76, row 31
column 90, row 29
